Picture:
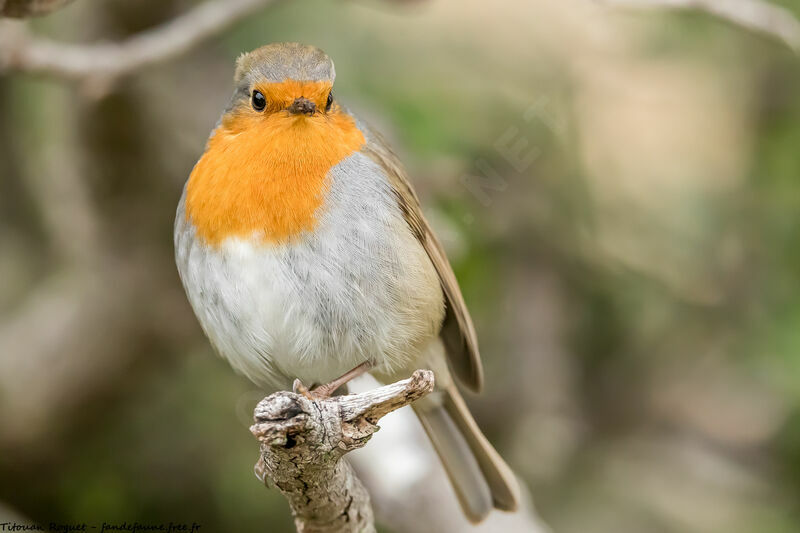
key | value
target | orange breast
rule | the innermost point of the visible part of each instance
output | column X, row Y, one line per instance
column 265, row 175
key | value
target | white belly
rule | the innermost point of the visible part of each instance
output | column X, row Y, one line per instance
column 358, row 287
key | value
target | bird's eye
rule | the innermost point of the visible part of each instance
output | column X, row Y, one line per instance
column 329, row 103
column 259, row 102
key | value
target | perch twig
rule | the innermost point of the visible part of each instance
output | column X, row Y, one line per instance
column 303, row 442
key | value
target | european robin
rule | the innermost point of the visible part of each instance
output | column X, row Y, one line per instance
column 304, row 253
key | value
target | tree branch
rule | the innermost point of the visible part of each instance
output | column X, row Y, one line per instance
column 302, row 442
column 21, row 51
column 29, row 8
column 756, row 15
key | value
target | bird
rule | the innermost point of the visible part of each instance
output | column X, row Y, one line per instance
column 304, row 253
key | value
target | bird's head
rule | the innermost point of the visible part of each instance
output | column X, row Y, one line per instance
column 265, row 168
column 284, row 81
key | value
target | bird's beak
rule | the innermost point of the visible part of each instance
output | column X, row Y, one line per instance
column 302, row 106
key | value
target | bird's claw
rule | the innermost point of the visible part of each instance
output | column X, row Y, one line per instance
column 318, row 393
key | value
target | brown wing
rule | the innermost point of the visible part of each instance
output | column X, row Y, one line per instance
column 458, row 333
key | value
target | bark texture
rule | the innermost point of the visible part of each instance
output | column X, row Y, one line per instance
column 303, row 442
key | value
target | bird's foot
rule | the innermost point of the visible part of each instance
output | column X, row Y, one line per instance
column 299, row 388
column 325, row 391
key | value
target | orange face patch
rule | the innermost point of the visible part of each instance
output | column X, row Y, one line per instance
column 264, row 173
column 281, row 95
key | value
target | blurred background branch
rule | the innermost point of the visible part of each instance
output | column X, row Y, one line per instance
column 29, row 8
column 100, row 64
column 756, row 15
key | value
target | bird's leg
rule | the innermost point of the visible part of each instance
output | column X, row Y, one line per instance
column 324, row 391
column 329, row 388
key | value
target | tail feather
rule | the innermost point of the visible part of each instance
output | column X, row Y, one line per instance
column 460, row 464
column 479, row 475
column 501, row 480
